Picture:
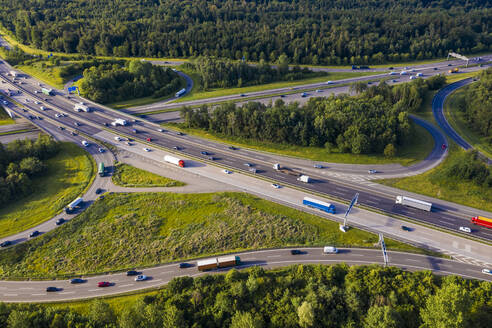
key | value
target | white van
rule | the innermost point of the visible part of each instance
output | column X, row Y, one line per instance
column 330, row 250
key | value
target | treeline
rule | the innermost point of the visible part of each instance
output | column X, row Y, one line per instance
column 113, row 82
column 469, row 166
column 476, row 105
column 307, row 31
column 299, row 296
column 376, row 121
column 20, row 161
column 220, row 73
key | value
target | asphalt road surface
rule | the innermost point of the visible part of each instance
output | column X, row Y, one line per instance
column 35, row 291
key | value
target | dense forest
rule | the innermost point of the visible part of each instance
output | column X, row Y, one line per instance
column 376, row 121
column 468, row 166
column 113, row 82
column 307, row 31
column 225, row 73
column 20, row 161
column 476, row 105
column 299, row 296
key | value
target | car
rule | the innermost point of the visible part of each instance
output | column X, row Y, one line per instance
column 36, row 91
column 85, row 143
column 60, row 221
column 103, row 284
column 51, row 289
column 282, row 96
column 394, row 81
column 226, row 171
column 318, row 166
column 243, row 95
column 435, row 68
column 76, row 123
column 128, row 143
column 295, row 252
column 101, row 197
column 329, row 82
column 37, row 102
column 98, row 191
column 61, row 128
column 161, row 130
column 211, row 158
column 146, row 149
column 141, row 278
column 132, row 273
column 412, row 77
column 330, row 250
column 443, row 146
column 465, row 229
column 390, row 68
column 276, row 186
column 487, row 271
column 177, row 148
column 372, row 171
column 185, row 265
column 405, row 228
column 6, row 243
column 56, row 115
column 42, row 108
column 40, row 118
column 77, row 281
column 304, row 94
column 180, row 133
column 248, row 164
column 369, row 82
column 5, row 102
column 101, row 150
column 149, row 139
column 450, row 64
column 105, row 124
column 232, row 148
column 204, row 153
column 73, row 133
column 34, row 234
column 318, row 90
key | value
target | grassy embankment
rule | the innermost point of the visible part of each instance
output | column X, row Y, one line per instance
column 433, row 183
column 129, row 176
column 137, row 230
column 68, row 175
column 456, row 120
column 418, row 147
column 4, row 118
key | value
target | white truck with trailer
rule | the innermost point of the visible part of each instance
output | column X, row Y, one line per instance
column 74, row 205
column 119, row 121
column 304, row 178
column 81, row 107
column 415, row 203
column 174, row 160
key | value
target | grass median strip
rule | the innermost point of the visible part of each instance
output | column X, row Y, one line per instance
column 129, row 176
column 137, row 230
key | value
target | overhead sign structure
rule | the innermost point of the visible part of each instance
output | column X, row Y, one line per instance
column 73, row 89
column 454, row 54
column 383, row 248
column 344, row 227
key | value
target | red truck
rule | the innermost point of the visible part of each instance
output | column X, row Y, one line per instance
column 480, row 220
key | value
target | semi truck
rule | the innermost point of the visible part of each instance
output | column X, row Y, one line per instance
column 46, row 91
column 415, row 203
column 218, row 262
column 119, row 121
column 454, row 70
column 81, row 107
column 174, row 160
column 304, row 178
column 285, row 170
column 74, row 205
column 482, row 221
column 180, row 93
column 101, row 169
column 319, row 204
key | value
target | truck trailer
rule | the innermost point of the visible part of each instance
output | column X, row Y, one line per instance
column 119, row 121
column 81, row 107
column 101, row 169
column 180, row 93
column 46, row 91
column 74, row 205
column 285, row 170
column 320, row 205
column 220, row 262
column 174, row 160
column 304, row 178
column 415, row 203
column 482, row 221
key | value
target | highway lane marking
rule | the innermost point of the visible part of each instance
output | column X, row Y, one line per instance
column 165, row 272
column 38, row 294
column 274, row 255
column 26, row 288
column 93, row 290
column 125, row 285
column 444, row 222
column 156, row 280
column 65, row 293
column 372, row 202
column 10, row 294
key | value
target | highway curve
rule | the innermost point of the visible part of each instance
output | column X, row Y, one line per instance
column 35, row 291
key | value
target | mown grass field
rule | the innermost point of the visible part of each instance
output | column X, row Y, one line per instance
column 137, row 230
column 129, row 176
column 68, row 174
column 456, row 120
column 419, row 146
column 50, row 74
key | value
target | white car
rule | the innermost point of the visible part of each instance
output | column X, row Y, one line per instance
column 487, row 271
column 58, row 115
column 146, row 149
column 318, row 90
column 85, row 143
column 372, row 171
column 161, row 130
column 248, row 164
column 393, row 73
column 141, row 278
column 37, row 102
column 227, row 171
column 465, row 229
column 329, row 82
column 419, row 74
column 5, row 102
column 117, row 138
column 318, row 166
column 412, row 77
column 276, row 186
column 101, row 150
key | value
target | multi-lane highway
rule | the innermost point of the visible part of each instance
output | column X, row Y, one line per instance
column 92, row 123
column 35, row 291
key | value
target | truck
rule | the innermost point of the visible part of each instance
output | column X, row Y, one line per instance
column 119, row 121
column 81, row 107
column 454, row 70
column 285, row 170
column 415, row 203
column 218, row 262
column 319, row 204
column 46, row 91
column 482, row 221
column 304, row 178
column 101, row 169
column 74, row 205
column 13, row 73
column 174, row 160
column 180, row 93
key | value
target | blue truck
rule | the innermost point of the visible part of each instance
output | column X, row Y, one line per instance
column 320, row 205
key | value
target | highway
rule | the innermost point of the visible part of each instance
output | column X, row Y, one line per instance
column 35, row 291
column 345, row 188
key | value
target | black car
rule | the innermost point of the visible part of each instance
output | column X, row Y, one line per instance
column 34, row 234
column 6, row 243
column 176, row 148
column 60, row 221
column 185, row 265
column 295, row 252
column 405, row 228
column 77, row 281
column 105, row 124
column 51, row 289
column 211, row 158
column 204, row 152
column 98, row 191
column 232, row 148
column 132, row 273
column 61, row 128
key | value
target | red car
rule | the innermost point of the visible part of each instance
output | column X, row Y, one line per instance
column 103, row 284
column 149, row 139
column 443, row 146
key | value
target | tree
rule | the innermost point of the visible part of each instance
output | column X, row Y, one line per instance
column 101, row 314
column 358, row 87
column 381, row 317
column 245, row 320
column 390, row 150
column 306, row 315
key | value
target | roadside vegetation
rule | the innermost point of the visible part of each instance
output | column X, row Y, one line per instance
column 5, row 118
column 129, row 176
column 37, row 183
column 137, row 230
column 298, row 296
